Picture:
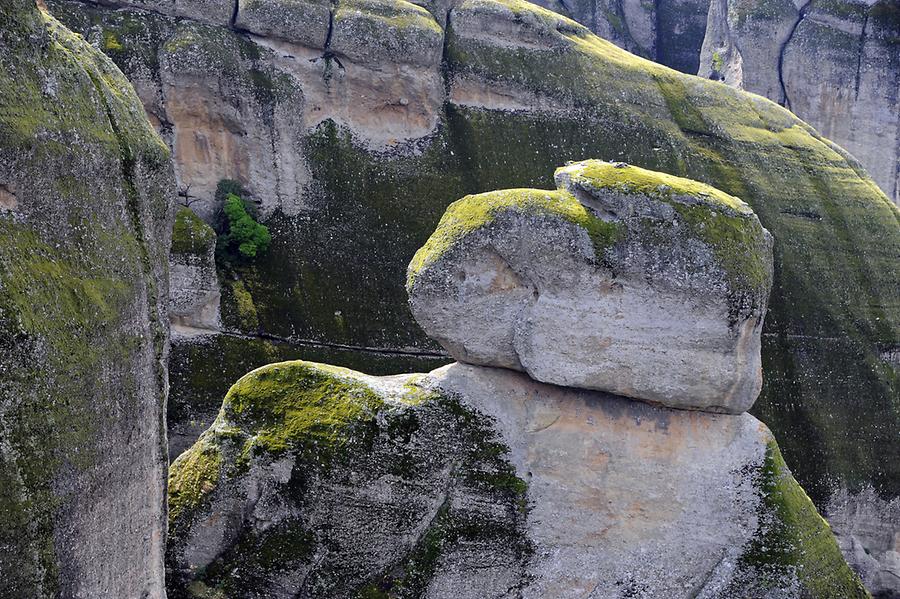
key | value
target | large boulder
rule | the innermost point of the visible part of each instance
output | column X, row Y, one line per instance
column 474, row 482
column 85, row 195
column 623, row 280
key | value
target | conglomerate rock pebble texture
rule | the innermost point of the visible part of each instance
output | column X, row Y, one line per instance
column 474, row 482
column 85, row 192
column 623, row 280
column 350, row 194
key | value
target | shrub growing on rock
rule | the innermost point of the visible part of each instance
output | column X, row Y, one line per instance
column 244, row 236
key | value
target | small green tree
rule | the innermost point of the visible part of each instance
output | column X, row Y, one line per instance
column 243, row 233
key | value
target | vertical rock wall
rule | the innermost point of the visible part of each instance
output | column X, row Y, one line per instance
column 85, row 191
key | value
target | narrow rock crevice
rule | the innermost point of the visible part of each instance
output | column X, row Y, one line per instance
column 388, row 351
column 785, row 100
column 234, row 14
column 444, row 67
column 859, row 56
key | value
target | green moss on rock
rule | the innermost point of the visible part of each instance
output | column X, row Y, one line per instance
column 193, row 475
column 473, row 212
column 795, row 542
column 298, row 402
column 190, row 235
column 82, row 331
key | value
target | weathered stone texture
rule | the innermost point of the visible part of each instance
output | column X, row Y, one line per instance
column 363, row 177
column 84, row 239
column 475, row 482
column 623, row 280
column 193, row 282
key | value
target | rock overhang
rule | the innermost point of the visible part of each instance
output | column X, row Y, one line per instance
column 622, row 280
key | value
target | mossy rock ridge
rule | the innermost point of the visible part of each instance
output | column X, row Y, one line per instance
column 529, row 90
column 85, row 228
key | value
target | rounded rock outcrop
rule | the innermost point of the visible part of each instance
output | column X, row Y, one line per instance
column 622, row 280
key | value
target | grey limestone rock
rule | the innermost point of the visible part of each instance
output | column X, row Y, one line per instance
column 622, row 280
column 85, row 225
column 474, row 482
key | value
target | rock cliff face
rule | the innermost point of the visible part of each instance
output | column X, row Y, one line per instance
column 669, row 32
column 353, row 160
column 85, row 188
column 477, row 481
column 193, row 281
column 474, row 482
column 835, row 63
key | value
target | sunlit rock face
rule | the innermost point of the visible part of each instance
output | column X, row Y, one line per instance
column 522, row 91
column 474, row 482
column 85, row 193
column 622, row 280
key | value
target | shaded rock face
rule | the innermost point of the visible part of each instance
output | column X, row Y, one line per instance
column 475, row 481
column 868, row 535
column 579, row 287
column 84, row 235
column 669, row 32
column 522, row 91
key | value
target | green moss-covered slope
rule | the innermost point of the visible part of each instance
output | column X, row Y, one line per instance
column 190, row 235
column 83, row 330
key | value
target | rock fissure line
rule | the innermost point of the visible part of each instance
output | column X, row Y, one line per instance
column 785, row 101
column 391, row 351
column 859, row 55
column 234, row 14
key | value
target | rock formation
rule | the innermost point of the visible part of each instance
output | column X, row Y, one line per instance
column 85, row 190
column 350, row 190
column 579, row 286
column 193, row 281
column 477, row 481
column 836, row 64
column 670, row 32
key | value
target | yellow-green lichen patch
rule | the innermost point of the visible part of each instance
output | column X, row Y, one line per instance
column 395, row 14
column 473, row 212
column 190, row 235
column 794, row 540
column 298, row 403
column 245, row 309
column 194, row 475
column 597, row 174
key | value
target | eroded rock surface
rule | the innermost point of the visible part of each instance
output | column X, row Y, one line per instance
column 84, row 239
column 868, row 532
column 474, row 482
column 520, row 91
column 623, row 280
column 193, row 281
column 836, row 64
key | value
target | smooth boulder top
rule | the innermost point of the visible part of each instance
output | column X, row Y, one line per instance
column 622, row 280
